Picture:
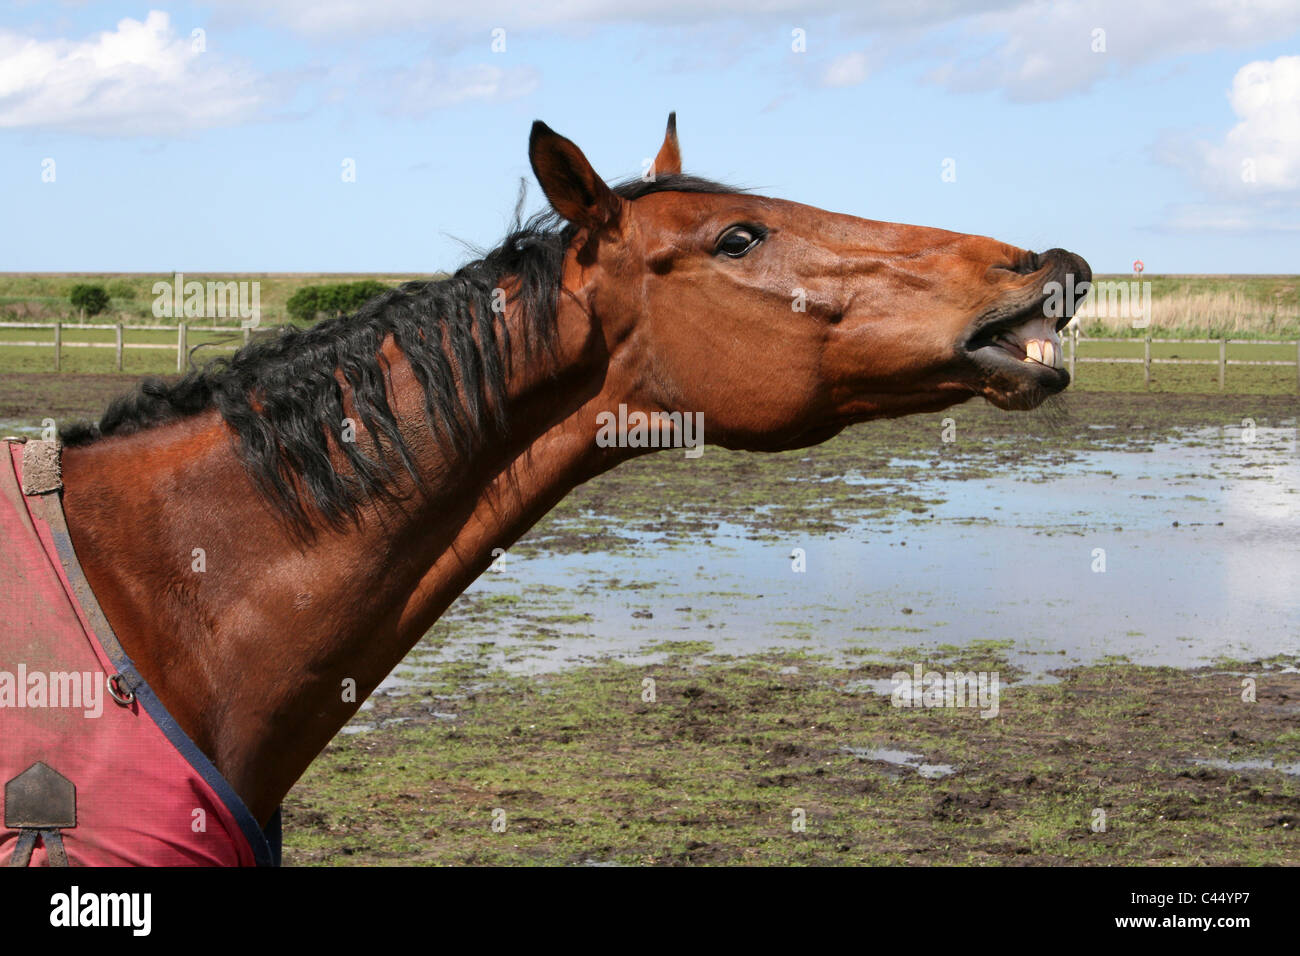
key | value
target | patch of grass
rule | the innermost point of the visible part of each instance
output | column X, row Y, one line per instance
column 678, row 648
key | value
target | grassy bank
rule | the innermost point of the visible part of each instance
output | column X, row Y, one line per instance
column 1208, row 306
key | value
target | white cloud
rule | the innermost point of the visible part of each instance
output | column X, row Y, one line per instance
column 365, row 16
column 1031, row 49
column 143, row 78
column 1042, row 51
column 1251, row 176
column 1262, row 152
column 146, row 79
column 430, row 86
column 1241, row 218
column 140, row 79
column 848, row 70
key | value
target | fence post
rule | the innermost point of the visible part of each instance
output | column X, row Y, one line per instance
column 58, row 344
column 1146, row 359
column 1074, row 348
column 1223, row 361
column 246, row 330
column 180, row 346
column 119, row 346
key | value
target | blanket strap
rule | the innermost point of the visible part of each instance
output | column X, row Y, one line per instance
column 39, row 802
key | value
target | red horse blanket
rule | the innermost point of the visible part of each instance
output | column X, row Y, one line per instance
column 92, row 763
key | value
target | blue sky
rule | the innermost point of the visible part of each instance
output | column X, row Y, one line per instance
column 1172, row 135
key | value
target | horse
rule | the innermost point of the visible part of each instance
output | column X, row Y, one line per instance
column 269, row 535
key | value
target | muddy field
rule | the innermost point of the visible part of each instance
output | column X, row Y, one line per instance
column 1113, row 765
column 644, row 681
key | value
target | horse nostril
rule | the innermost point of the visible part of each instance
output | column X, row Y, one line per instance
column 1027, row 264
column 1068, row 263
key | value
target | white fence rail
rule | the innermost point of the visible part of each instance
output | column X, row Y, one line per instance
column 119, row 343
column 1072, row 353
column 1147, row 361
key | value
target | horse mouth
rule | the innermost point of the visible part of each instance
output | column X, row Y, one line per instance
column 1018, row 357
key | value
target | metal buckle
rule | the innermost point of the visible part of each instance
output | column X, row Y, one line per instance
column 123, row 697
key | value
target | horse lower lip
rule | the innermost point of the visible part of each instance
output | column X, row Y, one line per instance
column 1010, row 345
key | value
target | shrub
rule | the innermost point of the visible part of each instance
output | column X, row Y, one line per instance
column 90, row 299
column 304, row 304
column 341, row 298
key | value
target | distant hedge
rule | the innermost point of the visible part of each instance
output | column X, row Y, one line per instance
column 341, row 298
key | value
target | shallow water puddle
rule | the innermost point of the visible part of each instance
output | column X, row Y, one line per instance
column 1291, row 769
column 903, row 758
column 1179, row 552
column 21, row 429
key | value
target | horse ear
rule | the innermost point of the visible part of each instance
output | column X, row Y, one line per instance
column 571, row 185
column 669, row 160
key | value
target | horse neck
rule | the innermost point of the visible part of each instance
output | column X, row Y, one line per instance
column 264, row 653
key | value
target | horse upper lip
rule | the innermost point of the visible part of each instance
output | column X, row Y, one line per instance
column 1005, row 317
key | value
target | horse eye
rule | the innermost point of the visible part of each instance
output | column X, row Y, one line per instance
column 737, row 241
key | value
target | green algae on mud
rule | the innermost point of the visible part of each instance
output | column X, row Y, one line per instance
column 717, row 765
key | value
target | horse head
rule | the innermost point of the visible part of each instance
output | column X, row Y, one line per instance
column 782, row 323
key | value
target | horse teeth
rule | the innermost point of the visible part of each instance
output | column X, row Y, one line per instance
column 1037, row 340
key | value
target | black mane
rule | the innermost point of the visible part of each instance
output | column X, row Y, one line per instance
column 281, row 397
